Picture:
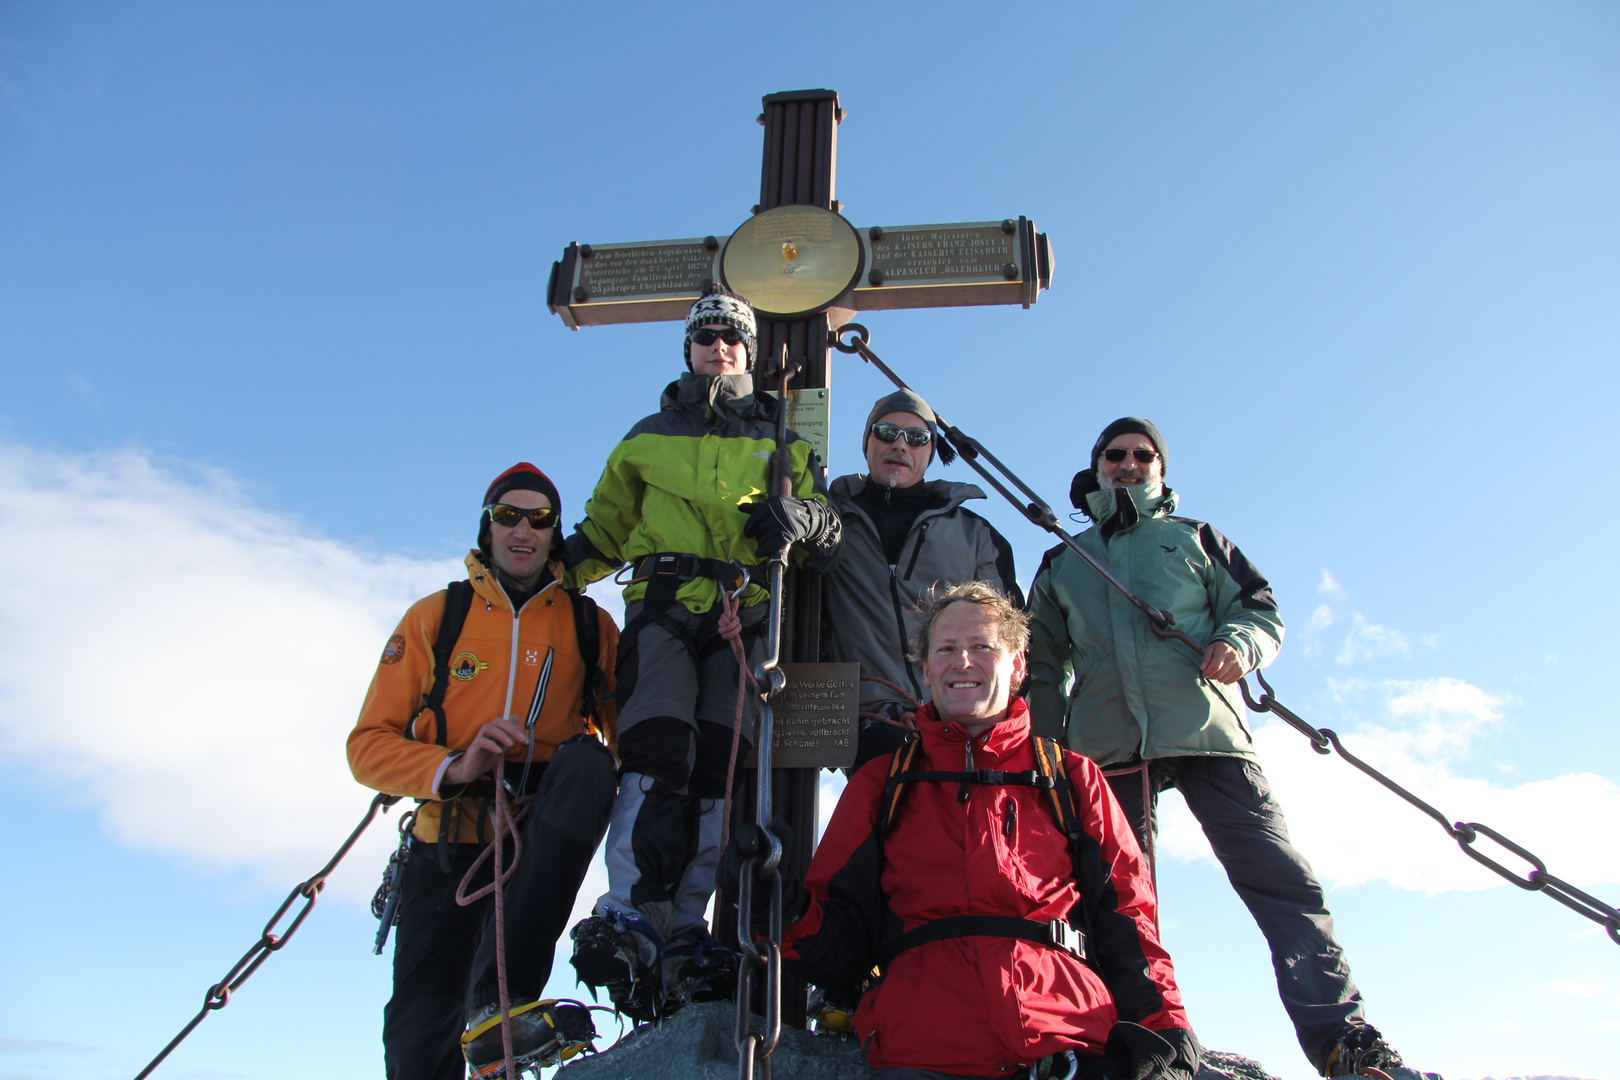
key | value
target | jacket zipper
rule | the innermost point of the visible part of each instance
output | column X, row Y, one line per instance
column 1011, row 821
column 900, row 621
column 967, row 767
column 922, row 534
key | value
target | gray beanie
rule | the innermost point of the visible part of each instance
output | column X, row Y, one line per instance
column 907, row 401
column 1128, row 425
column 721, row 305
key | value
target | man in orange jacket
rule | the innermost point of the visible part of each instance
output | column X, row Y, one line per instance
column 514, row 689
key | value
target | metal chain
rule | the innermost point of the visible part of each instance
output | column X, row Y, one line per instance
column 219, row 995
column 1323, row 740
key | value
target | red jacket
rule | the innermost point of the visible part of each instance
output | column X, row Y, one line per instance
column 982, row 1005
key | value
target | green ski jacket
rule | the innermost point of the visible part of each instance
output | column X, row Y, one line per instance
column 675, row 482
column 1134, row 692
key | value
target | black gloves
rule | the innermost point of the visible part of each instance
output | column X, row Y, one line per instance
column 1132, row 1053
column 747, row 842
column 781, row 520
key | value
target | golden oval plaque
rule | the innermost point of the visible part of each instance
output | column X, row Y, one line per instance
column 792, row 260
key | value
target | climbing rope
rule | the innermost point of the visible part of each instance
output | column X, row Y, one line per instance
column 908, row 719
column 219, row 994
column 1322, row 739
column 731, row 629
column 505, row 824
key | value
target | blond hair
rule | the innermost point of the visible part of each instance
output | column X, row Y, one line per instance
column 1012, row 624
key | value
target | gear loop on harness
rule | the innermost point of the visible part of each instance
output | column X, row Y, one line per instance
column 1323, row 740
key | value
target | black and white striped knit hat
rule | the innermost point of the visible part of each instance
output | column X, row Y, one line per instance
column 725, row 307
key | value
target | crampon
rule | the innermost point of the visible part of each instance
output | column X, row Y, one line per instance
column 544, row 1033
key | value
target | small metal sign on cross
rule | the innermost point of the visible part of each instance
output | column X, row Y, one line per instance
column 807, row 270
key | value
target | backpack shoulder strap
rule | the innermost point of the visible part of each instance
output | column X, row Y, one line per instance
column 904, row 761
column 588, row 629
column 1049, row 764
column 458, row 598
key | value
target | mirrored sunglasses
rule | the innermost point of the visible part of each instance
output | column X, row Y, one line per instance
column 502, row 514
column 916, row 436
column 1117, row 455
column 708, row 335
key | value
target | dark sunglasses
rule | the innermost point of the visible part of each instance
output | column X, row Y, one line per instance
column 1117, row 455
column 708, row 335
column 916, row 436
column 502, row 514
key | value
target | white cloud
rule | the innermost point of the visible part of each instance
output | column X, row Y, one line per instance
column 1321, row 618
column 1329, row 586
column 189, row 664
column 1354, row 831
column 1368, row 641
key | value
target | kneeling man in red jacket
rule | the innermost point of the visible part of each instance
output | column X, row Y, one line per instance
column 1005, row 950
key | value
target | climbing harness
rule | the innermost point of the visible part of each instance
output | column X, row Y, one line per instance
column 1323, row 740
column 754, row 1048
column 219, row 995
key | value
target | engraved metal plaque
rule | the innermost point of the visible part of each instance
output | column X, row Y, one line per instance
column 808, row 414
column 792, row 260
column 817, row 717
column 982, row 262
column 622, row 283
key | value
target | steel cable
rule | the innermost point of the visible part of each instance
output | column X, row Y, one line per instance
column 1323, row 740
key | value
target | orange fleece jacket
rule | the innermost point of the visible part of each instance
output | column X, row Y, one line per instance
column 494, row 671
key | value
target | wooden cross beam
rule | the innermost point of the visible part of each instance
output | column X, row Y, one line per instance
column 1005, row 261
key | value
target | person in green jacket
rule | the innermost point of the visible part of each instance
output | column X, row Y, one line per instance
column 686, row 502
column 1157, row 715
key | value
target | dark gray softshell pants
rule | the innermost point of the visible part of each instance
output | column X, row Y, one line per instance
column 1233, row 803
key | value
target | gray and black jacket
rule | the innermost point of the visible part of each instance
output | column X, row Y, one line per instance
column 867, row 601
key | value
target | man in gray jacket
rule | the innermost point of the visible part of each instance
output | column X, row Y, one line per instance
column 902, row 534
column 1156, row 714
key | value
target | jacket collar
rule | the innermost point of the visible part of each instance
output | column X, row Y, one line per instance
column 955, row 491
column 1119, row 509
column 488, row 586
column 942, row 740
column 725, row 397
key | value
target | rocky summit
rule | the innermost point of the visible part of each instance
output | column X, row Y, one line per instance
column 697, row 1044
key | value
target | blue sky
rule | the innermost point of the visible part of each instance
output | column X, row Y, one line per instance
column 272, row 315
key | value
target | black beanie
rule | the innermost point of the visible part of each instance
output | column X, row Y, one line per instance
column 520, row 477
column 1128, row 425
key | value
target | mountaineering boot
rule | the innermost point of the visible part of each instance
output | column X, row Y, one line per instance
column 1363, row 1047
column 834, row 1010
column 623, row 955
column 697, row 969
column 543, row 1033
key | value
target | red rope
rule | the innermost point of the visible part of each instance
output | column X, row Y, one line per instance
column 731, row 629
column 908, row 719
column 505, row 824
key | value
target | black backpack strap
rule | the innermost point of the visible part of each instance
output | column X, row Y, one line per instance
column 1055, row 934
column 458, row 598
column 588, row 629
column 903, row 762
column 1049, row 762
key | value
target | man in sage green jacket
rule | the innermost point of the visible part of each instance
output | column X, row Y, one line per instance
column 1155, row 714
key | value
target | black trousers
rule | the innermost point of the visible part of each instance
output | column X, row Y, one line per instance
column 444, row 954
column 1233, row 803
